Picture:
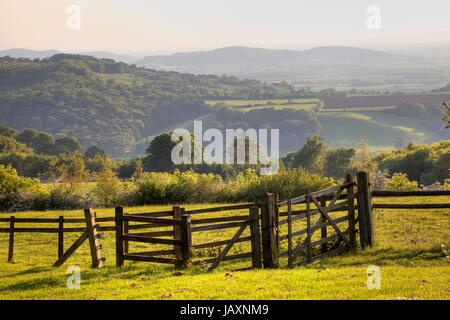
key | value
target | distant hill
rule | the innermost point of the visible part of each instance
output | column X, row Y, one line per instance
column 111, row 104
column 317, row 68
column 109, row 55
column 28, row 53
column 234, row 58
column 36, row 54
column 320, row 67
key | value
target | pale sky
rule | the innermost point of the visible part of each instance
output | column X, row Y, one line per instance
column 164, row 26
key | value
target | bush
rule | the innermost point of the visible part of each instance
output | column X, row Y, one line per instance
column 20, row 193
column 190, row 187
column 400, row 182
column 108, row 185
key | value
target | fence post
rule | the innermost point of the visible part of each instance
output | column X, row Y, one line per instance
column 93, row 237
column 186, row 239
column 289, row 221
column 126, row 229
column 119, row 236
column 365, row 210
column 351, row 211
column 255, row 237
column 269, row 230
column 323, row 230
column 308, row 227
column 11, row 239
column 60, row 236
column 177, row 235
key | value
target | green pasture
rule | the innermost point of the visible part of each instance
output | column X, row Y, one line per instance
column 410, row 249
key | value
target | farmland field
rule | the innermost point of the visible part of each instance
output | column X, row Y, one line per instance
column 345, row 128
column 410, row 250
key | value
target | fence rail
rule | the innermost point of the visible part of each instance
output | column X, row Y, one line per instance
column 176, row 227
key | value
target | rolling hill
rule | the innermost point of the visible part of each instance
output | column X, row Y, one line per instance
column 44, row 54
column 111, row 104
column 320, row 67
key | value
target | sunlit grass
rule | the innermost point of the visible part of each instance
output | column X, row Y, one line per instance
column 408, row 250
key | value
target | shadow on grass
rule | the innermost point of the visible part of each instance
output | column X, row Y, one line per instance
column 34, row 284
column 389, row 256
column 32, row 270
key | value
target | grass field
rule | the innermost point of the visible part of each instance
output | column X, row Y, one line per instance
column 276, row 104
column 347, row 128
column 408, row 250
column 262, row 102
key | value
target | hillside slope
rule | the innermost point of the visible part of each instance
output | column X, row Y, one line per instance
column 320, row 67
column 112, row 105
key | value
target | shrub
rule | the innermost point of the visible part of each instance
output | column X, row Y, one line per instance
column 190, row 187
column 20, row 193
column 108, row 185
column 400, row 182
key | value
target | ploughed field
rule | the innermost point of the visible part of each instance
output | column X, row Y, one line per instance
column 411, row 251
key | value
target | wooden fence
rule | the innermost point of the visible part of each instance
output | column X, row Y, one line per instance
column 182, row 227
column 308, row 250
column 340, row 213
column 88, row 232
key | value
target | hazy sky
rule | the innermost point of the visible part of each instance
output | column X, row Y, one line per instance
column 152, row 26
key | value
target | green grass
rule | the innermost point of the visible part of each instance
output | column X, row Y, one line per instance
column 262, row 102
column 408, row 250
column 348, row 128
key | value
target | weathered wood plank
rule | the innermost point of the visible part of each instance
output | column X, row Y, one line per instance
column 269, row 232
column 177, row 235
column 227, row 248
column 145, row 258
column 160, row 221
column 94, row 241
column 333, row 224
column 218, row 209
column 61, row 236
column 219, row 243
column 71, row 249
column 351, row 211
column 218, row 226
column 255, row 236
column 289, row 235
column 152, row 234
column 133, row 238
column 152, row 253
column 119, row 236
column 227, row 258
column 186, row 239
column 220, row 219
column 11, row 240
column 323, row 229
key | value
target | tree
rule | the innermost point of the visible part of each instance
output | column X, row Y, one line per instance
column 159, row 154
column 338, row 162
column 364, row 161
column 108, row 185
column 446, row 114
column 68, row 146
column 40, row 142
column 7, row 131
column 400, row 182
column 95, row 152
column 310, row 156
column 139, row 170
column 9, row 145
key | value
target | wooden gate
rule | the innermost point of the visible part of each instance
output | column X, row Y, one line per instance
column 302, row 224
column 253, row 223
column 174, row 233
